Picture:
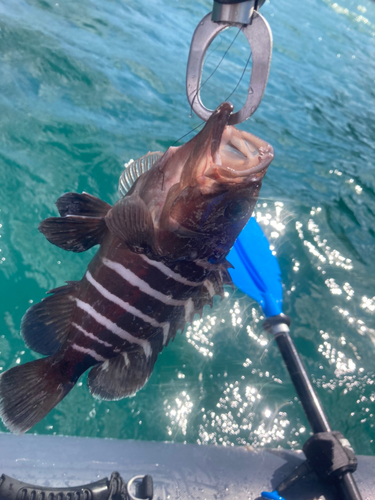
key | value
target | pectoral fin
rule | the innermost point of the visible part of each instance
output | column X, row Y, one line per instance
column 131, row 221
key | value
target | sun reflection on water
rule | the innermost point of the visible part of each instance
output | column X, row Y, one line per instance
column 254, row 408
column 335, row 357
column 199, row 334
column 368, row 304
column 178, row 413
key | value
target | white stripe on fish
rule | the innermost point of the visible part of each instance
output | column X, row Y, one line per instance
column 133, row 279
column 112, row 327
column 91, row 336
column 90, row 352
column 126, row 359
column 169, row 273
column 177, row 277
column 210, row 287
column 105, row 365
column 128, row 307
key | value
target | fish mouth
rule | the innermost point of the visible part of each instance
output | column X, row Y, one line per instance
column 236, row 155
column 218, row 121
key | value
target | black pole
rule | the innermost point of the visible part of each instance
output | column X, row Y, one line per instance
column 279, row 327
column 306, row 393
column 348, row 487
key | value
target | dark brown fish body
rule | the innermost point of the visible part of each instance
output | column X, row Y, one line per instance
column 161, row 259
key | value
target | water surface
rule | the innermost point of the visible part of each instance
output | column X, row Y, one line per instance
column 84, row 87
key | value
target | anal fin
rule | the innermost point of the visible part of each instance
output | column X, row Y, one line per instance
column 45, row 325
column 123, row 375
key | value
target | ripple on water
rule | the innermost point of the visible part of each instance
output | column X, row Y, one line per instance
column 88, row 85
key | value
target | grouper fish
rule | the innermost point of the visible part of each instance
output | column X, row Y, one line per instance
column 162, row 258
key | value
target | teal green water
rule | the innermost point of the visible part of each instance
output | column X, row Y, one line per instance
column 87, row 85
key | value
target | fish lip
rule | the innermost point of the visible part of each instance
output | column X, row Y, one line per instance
column 219, row 118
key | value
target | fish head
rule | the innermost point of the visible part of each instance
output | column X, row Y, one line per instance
column 202, row 194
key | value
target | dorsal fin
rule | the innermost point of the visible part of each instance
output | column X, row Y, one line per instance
column 135, row 168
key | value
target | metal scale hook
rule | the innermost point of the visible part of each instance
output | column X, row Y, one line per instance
column 225, row 14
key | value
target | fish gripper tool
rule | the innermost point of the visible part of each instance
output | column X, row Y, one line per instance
column 225, row 14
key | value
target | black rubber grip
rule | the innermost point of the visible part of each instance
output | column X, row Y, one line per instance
column 12, row 489
column 146, row 488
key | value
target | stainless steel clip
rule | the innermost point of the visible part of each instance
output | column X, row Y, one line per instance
column 259, row 36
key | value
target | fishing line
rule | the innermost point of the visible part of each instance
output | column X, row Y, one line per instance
column 214, row 71
column 214, row 49
column 266, row 350
column 239, row 81
column 187, row 133
column 208, row 78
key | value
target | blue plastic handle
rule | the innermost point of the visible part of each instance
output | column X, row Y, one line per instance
column 272, row 495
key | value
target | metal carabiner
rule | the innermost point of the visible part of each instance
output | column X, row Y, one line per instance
column 140, row 488
column 259, row 36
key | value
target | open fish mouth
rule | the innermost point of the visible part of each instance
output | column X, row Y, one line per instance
column 241, row 154
column 235, row 154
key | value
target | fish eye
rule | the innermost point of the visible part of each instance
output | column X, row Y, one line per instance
column 236, row 209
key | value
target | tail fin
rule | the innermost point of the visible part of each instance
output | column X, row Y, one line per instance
column 28, row 392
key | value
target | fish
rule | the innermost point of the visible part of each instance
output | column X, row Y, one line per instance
column 161, row 259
